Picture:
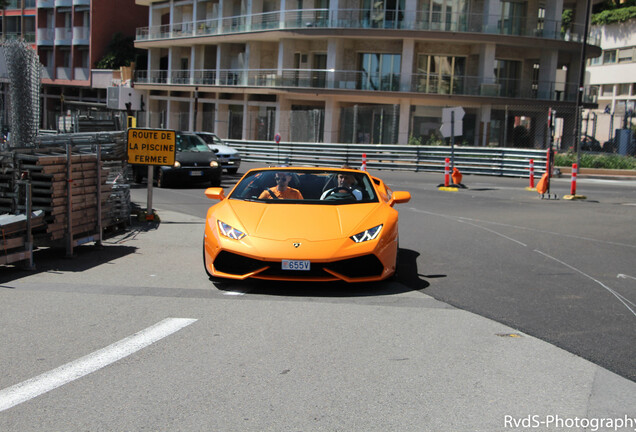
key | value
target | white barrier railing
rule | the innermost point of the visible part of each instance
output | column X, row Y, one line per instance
column 509, row 162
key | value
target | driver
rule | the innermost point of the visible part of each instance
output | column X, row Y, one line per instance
column 282, row 189
column 346, row 183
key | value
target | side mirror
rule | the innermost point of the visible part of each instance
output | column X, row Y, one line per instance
column 399, row 197
column 215, row 193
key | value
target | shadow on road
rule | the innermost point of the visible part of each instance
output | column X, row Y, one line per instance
column 54, row 259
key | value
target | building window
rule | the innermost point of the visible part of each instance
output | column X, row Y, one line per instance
column 384, row 13
column 596, row 61
column 513, row 15
column 608, row 89
column 507, row 74
column 440, row 74
column 623, row 89
column 609, row 57
column 443, row 14
column 625, row 55
column 380, row 71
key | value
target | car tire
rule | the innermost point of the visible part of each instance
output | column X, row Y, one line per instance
column 138, row 175
column 162, row 182
column 216, row 180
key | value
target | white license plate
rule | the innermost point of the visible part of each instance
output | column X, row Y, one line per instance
column 196, row 173
column 296, row 265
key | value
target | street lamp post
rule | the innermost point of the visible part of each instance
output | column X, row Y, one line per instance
column 579, row 97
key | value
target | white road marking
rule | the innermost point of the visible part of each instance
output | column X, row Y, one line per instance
column 493, row 232
column 620, row 298
column 624, row 276
column 48, row 381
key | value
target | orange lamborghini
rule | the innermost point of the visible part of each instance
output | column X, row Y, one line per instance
column 303, row 224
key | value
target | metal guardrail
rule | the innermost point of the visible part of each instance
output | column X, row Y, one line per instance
column 507, row 162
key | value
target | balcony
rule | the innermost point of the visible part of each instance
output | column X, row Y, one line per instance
column 45, row 36
column 81, row 2
column 364, row 19
column 46, row 73
column 81, row 74
column 63, row 3
column 63, row 35
column 361, row 81
column 63, row 73
column 81, row 35
column 46, row 3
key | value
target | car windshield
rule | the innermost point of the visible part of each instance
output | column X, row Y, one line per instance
column 211, row 139
column 306, row 187
column 191, row 143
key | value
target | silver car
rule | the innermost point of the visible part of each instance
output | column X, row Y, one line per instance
column 229, row 158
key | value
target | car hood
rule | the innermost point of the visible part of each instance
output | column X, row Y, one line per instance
column 298, row 221
column 222, row 149
column 189, row 157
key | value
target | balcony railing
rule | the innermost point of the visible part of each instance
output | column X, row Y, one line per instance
column 63, row 73
column 45, row 36
column 81, row 74
column 63, row 35
column 366, row 19
column 45, row 3
column 81, row 35
column 362, row 81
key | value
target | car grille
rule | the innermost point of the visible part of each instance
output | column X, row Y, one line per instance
column 364, row 266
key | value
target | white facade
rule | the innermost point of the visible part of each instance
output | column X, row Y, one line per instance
column 612, row 76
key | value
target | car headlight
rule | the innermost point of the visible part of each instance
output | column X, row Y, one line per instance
column 177, row 164
column 214, row 164
column 229, row 231
column 367, row 235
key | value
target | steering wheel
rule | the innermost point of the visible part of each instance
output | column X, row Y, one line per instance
column 339, row 193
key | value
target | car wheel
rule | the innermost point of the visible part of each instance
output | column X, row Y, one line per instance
column 216, row 180
column 161, row 179
column 139, row 175
column 232, row 170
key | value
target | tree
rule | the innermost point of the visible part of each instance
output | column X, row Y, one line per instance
column 120, row 52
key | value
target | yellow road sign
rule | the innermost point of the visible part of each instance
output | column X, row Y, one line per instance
column 151, row 146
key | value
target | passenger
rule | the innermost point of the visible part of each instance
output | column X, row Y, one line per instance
column 346, row 183
column 282, row 189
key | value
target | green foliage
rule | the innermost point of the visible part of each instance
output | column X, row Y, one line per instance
column 120, row 52
column 415, row 141
column 611, row 161
column 611, row 16
column 566, row 19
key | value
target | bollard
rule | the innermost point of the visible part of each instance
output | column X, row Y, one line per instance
column 573, row 195
column 446, row 172
column 531, row 173
column 363, row 167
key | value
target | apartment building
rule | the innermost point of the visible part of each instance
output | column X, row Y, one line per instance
column 71, row 37
column 612, row 77
column 361, row 70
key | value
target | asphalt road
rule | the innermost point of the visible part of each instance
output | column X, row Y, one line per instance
column 561, row 270
column 133, row 336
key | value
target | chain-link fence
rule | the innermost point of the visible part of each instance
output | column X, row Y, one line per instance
column 609, row 133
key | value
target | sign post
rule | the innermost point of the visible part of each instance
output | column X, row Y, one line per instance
column 452, row 126
column 277, row 139
column 152, row 147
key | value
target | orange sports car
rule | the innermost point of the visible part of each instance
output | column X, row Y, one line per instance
column 303, row 224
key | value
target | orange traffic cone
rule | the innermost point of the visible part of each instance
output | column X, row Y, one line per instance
column 457, row 177
column 542, row 186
